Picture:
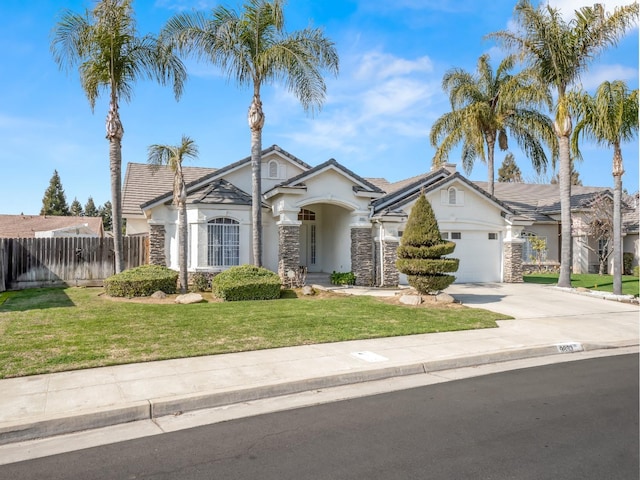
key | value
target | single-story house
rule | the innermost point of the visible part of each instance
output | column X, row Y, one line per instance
column 328, row 218
column 46, row 226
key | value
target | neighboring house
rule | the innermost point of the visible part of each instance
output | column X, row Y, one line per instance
column 40, row 226
column 327, row 218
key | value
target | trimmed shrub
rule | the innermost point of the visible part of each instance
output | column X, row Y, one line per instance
column 342, row 278
column 246, row 282
column 627, row 263
column 201, row 282
column 141, row 281
column 421, row 250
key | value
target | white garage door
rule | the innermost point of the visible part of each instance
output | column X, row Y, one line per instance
column 480, row 254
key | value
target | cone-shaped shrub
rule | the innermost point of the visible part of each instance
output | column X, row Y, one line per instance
column 421, row 250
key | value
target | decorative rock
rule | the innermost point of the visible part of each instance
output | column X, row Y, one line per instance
column 582, row 289
column 444, row 298
column 159, row 294
column 308, row 290
column 411, row 299
column 188, row 298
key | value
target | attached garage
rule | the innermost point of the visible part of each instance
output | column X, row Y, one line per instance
column 480, row 254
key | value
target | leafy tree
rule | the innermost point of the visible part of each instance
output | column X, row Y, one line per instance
column 559, row 51
column 575, row 176
column 90, row 209
column 172, row 156
column 76, row 208
column 488, row 107
column 421, row 249
column 509, row 172
column 599, row 227
column 110, row 56
column 54, row 201
column 539, row 247
column 609, row 117
column 253, row 48
column 105, row 211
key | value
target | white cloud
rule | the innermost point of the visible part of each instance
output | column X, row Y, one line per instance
column 568, row 7
column 601, row 73
column 380, row 100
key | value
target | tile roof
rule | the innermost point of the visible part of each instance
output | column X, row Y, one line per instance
column 26, row 226
column 219, row 192
column 142, row 184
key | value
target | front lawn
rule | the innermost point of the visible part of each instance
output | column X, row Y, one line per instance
column 51, row 330
column 594, row 281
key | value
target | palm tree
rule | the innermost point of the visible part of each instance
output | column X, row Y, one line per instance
column 609, row 117
column 487, row 107
column 104, row 45
column 559, row 52
column 253, row 49
column 172, row 156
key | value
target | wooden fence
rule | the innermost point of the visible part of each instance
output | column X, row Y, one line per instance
column 76, row 261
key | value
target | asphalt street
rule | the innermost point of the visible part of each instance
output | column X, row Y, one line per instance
column 575, row 420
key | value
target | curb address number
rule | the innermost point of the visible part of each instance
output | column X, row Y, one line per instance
column 569, row 347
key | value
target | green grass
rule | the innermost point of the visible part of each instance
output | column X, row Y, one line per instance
column 50, row 330
column 604, row 283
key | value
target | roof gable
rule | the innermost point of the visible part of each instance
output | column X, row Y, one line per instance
column 219, row 192
column 215, row 174
column 361, row 184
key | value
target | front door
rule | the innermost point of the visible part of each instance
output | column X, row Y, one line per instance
column 308, row 246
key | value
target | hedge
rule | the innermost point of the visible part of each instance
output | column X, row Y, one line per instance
column 141, row 281
column 246, row 282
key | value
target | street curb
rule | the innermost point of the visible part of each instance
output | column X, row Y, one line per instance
column 13, row 432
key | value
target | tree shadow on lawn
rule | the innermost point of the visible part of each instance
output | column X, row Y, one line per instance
column 34, row 299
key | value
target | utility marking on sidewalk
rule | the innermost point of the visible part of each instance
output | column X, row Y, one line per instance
column 569, row 347
column 369, row 357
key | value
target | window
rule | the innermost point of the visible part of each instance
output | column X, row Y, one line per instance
column 304, row 214
column 493, row 236
column 273, row 167
column 456, row 235
column 444, row 235
column 452, row 196
column 534, row 248
column 313, row 244
column 223, row 242
column 603, row 247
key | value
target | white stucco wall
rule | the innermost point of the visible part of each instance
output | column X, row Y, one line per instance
column 137, row 226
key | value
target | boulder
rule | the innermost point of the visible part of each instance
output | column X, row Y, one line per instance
column 410, row 299
column 188, row 298
column 308, row 290
column 444, row 298
column 159, row 294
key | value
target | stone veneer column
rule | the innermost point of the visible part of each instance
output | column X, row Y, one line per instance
column 288, row 251
column 362, row 255
column 390, row 255
column 513, row 260
column 156, row 245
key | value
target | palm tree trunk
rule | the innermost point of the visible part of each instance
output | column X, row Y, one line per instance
column 491, row 147
column 182, row 245
column 618, row 171
column 115, row 132
column 565, row 212
column 256, row 122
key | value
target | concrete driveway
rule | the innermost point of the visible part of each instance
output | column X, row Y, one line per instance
column 529, row 300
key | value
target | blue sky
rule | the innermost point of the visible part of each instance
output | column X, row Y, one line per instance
column 375, row 121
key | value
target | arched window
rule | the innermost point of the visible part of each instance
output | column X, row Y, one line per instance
column 452, row 196
column 305, row 214
column 223, row 242
column 274, row 168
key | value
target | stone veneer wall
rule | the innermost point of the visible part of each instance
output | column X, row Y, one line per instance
column 288, row 251
column 156, row 245
column 391, row 274
column 513, row 261
column 362, row 256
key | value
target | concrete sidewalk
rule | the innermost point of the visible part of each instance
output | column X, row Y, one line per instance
column 548, row 321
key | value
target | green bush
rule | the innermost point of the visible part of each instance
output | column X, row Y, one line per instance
column 141, row 281
column 433, row 251
column 342, row 278
column 627, row 263
column 201, row 282
column 431, row 283
column 246, row 282
column 427, row 266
